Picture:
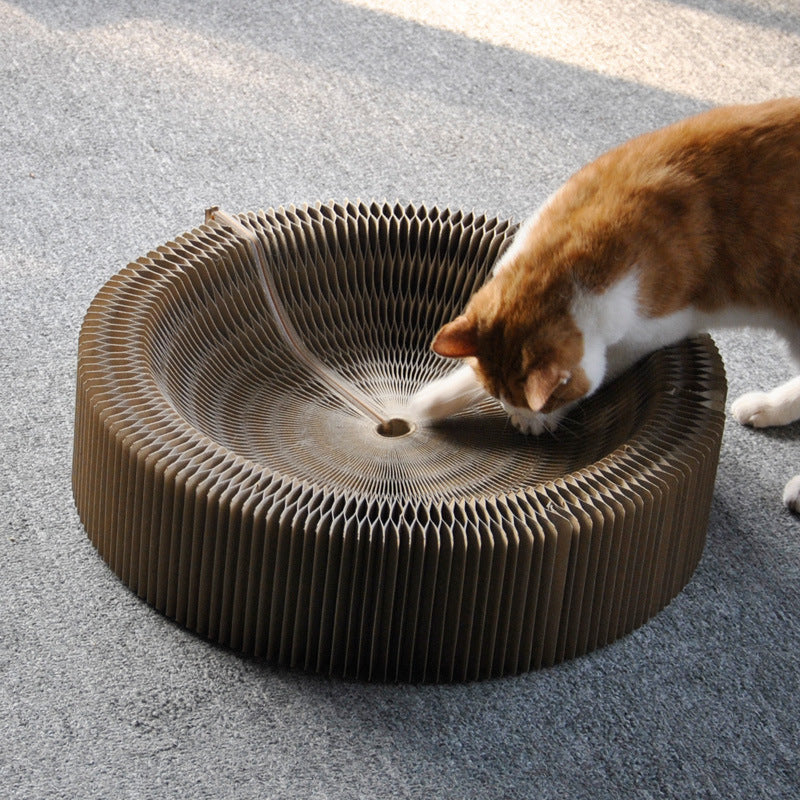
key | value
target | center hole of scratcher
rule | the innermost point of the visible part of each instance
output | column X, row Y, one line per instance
column 392, row 428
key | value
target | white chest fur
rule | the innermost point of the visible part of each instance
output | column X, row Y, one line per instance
column 617, row 333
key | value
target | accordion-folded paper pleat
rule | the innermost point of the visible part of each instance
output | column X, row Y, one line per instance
column 236, row 491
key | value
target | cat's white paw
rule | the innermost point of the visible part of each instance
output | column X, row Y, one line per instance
column 791, row 494
column 759, row 410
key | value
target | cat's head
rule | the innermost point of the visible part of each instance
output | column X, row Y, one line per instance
column 524, row 345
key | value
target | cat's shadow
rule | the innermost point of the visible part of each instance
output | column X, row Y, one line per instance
column 779, row 433
column 477, row 430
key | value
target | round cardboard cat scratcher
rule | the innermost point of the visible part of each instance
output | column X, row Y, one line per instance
column 242, row 460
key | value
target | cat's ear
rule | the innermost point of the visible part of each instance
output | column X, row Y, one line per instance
column 541, row 383
column 457, row 339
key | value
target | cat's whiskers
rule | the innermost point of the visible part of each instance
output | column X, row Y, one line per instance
column 569, row 424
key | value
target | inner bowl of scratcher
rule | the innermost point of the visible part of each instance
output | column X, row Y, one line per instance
column 245, row 461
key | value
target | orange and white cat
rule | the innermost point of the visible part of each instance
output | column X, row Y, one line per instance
column 690, row 227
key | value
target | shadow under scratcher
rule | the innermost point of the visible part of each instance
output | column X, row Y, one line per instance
column 242, row 459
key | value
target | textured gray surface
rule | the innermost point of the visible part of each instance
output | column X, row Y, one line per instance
column 119, row 124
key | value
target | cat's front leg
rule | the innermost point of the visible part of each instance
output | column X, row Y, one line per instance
column 780, row 406
column 448, row 395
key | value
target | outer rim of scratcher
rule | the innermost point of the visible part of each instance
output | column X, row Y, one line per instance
column 232, row 492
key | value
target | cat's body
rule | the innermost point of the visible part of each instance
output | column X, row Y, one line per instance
column 691, row 227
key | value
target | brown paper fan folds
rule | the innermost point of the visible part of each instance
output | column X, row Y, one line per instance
column 225, row 474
